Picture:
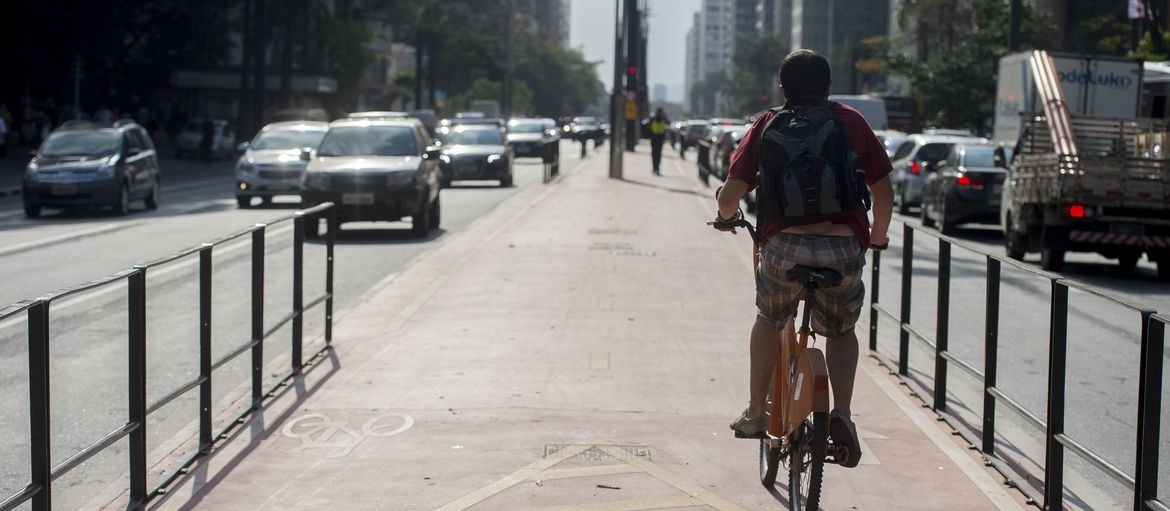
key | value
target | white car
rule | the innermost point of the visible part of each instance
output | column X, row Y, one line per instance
column 190, row 141
column 271, row 164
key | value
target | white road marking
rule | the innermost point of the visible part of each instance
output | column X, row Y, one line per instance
column 69, row 236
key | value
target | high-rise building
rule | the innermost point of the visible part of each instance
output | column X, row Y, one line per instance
column 692, row 64
column 658, row 94
column 836, row 28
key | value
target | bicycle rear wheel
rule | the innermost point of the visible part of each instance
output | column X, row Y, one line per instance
column 806, row 464
column 769, row 463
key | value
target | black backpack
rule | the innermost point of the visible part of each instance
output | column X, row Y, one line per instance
column 809, row 172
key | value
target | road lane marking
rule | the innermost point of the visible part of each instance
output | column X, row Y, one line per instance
column 512, row 479
column 69, row 236
column 322, row 432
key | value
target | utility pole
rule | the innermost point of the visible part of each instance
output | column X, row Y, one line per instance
column 245, row 107
column 510, row 62
column 617, row 98
column 633, row 62
column 260, row 42
column 1017, row 14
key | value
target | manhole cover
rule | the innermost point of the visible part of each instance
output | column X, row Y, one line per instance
column 594, row 453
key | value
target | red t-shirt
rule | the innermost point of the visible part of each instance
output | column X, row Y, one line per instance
column 746, row 162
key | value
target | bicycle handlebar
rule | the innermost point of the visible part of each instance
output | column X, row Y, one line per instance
column 741, row 222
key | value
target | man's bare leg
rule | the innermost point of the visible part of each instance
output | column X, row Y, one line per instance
column 841, row 352
column 765, row 350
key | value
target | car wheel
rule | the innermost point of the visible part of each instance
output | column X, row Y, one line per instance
column 122, row 206
column 1051, row 259
column 420, row 222
column 923, row 213
column 151, row 200
column 1164, row 268
column 32, row 210
column 900, row 200
column 435, row 214
column 946, row 226
column 1128, row 262
column 506, row 181
column 244, row 201
column 1013, row 240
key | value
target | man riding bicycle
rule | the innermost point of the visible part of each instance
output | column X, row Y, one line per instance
column 785, row 145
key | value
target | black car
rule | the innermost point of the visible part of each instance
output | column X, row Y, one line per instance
column 382, row 169
column 689, row 134
column 533, row 137
column 88, row 165
column 475, row 152
column 964, row 188
column 586, row 128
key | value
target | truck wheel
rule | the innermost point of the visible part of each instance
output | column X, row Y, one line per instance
column 1164, row 268
column 1013, row 241
column 1051, row 259
column 1128, row 262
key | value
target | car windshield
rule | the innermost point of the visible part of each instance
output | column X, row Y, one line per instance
column 287, row 139
column 934, row 152
column 696, row 129
column 526, row 127
column 979, row 157
column 369, row 141
column 473, row 137
column 81, row 143
column 585, row 121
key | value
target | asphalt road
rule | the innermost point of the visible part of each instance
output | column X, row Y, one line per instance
column 89, row 356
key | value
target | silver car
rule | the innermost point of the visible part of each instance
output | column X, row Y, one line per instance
column 271, row 164
column 918, row 155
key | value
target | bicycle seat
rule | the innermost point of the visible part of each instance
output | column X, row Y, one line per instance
column 815, row 278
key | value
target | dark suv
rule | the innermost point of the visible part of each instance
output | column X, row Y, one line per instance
column 374, row 170
column 86, row 165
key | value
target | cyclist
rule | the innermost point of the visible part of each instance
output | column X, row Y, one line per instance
column 838, row 243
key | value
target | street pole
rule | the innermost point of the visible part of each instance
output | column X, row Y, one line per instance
column 76, row 86
column 1017, row 12
column 617, row 98
column 510, row 62
column 633, row 39
column 260, row 40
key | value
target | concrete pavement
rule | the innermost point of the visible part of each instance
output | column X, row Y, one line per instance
column 582, row 347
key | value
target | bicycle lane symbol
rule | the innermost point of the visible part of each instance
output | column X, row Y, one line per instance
column 318, row 431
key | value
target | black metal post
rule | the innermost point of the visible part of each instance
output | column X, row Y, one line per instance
column 137, row 379
column 1149, row 411
column 1057, row 350
column 38, row 395
column 990, row 354
column 205, row 348
column 907, row 273
column 298, row 290
column 1016, row 14
column 942, row 314
column 258, row 315
column 875, row 274
column 330, row 237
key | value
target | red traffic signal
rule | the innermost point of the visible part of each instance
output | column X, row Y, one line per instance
column 632, row 70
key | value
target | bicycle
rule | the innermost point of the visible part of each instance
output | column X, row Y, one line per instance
column 798, row 423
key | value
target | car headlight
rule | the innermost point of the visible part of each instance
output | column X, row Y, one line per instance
column 399, row 178
column 493, row 158
column 246, row 166
column 319, row 180
column 105, row 171
column 445, row 159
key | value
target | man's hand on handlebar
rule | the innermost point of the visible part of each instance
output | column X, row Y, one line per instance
column 878, row 247
column 727, row 224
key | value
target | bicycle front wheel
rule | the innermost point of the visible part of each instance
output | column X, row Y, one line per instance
column 769, row 463
column 806, row 464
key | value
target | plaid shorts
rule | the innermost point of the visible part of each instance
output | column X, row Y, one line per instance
column 837, row 308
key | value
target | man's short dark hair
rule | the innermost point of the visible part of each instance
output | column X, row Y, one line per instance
column 804, row 72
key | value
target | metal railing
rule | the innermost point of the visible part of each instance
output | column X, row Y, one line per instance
column 1144, row 483
column 40, row 488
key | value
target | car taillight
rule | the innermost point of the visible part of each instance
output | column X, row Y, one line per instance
column 915, row 168
column 967, row 181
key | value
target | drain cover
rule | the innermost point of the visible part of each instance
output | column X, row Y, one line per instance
column 594, row 452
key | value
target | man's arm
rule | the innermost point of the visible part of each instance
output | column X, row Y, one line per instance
column 731, row 193
column 883, row 209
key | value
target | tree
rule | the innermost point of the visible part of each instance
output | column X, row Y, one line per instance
column 754, row 67
column 956, row 59
column 705, row 91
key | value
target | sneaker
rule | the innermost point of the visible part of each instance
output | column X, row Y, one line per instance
column 844, row 434
column 750, row 427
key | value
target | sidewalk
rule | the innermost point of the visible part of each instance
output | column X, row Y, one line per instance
column 584, row 346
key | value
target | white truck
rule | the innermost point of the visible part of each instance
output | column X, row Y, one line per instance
column 1086, row 174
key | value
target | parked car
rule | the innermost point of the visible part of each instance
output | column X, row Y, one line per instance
column 709, row 140
column 690, row 134
column 967, row 187
column 891, row 140
column 475, row 152
column 721, row 151
column 87, row 165
column 916, row 155
column 532, row 137
column 384, row 169
column 189, row 142
column 271, row 164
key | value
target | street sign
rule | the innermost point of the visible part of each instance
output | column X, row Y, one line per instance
column 631, row 110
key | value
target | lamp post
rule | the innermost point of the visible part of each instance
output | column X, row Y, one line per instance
column 617, row 98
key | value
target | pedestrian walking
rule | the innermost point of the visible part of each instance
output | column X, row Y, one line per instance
column 657, row 126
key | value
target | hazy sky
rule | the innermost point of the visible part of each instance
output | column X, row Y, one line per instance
column 592, row 30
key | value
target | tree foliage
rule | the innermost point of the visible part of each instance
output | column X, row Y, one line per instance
column 755, row 65
column 953, row 59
